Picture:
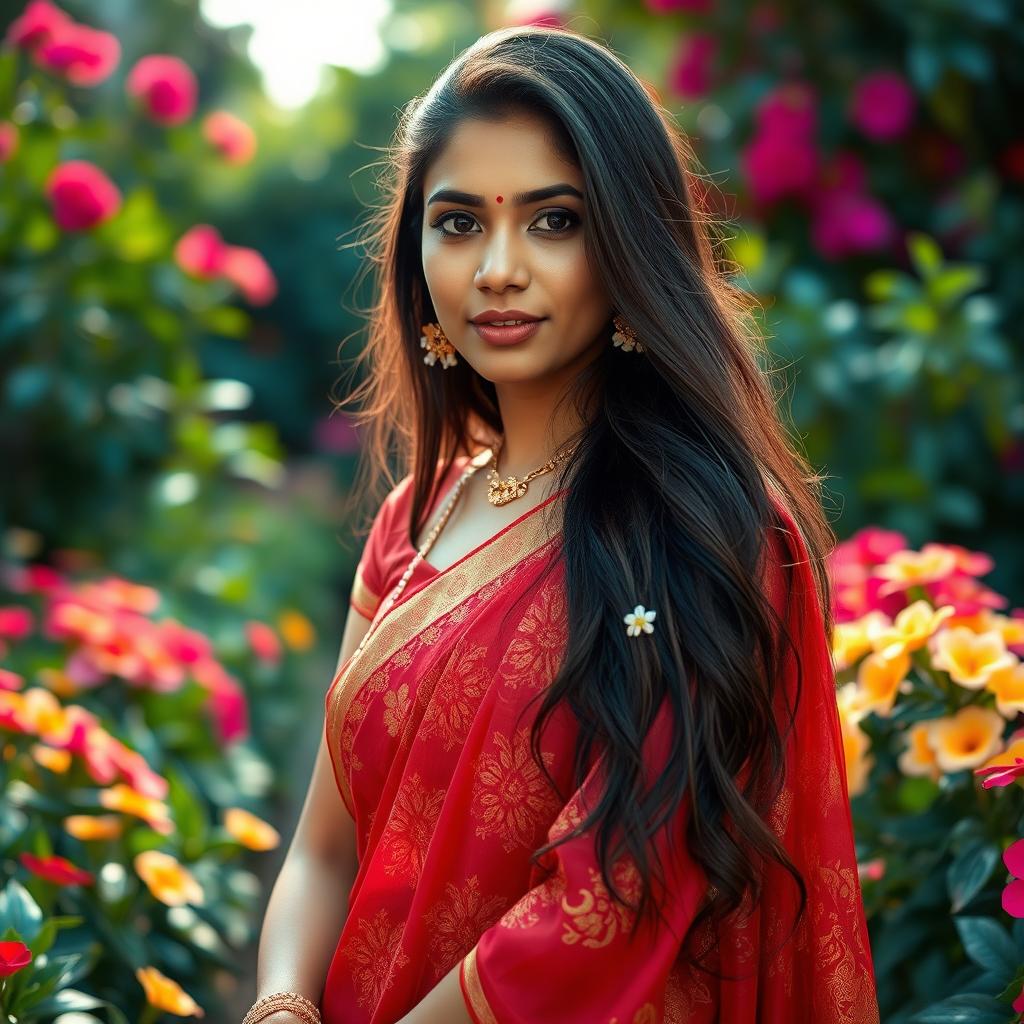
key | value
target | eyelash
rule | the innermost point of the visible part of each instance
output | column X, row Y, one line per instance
column 574, row 220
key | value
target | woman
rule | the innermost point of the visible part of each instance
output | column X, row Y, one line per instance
column 582, row 759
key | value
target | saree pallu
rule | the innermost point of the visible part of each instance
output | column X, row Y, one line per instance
column 429, row 733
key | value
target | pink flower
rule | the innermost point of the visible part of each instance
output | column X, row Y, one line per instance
column 37, row 24
column 263, row 641
column 1001, row 774
column 227, row 700
column 201, row 251
column 81, row 195
column 690, row 75
column 247, row 270
column 1013, row 894
column 1018, row 1003
column 846, row 223
column 10, row 680
column 85, row 56
column 234, row 139
column 9, row 139
column 776, row 166
column 882, row 105
column 16, row 622
column 166, row 86
column 789, row 111
column 691, row 6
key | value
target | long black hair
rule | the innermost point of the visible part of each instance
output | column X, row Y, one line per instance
column 688, row 431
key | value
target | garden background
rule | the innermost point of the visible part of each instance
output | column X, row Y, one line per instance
column 179, row 186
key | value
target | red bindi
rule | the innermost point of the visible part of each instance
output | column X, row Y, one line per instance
column 500, row 199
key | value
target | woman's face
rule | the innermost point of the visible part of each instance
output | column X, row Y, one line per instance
column 503, row 253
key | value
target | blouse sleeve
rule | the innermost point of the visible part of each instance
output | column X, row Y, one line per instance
column 375, row 564
column 563, row 952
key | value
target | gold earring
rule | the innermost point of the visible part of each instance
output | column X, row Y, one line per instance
column 625, row 335
column 438, row 347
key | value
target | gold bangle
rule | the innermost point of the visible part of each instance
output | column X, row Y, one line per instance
column 291, row 1001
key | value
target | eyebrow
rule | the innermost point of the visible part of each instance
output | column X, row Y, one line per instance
column 450, row 195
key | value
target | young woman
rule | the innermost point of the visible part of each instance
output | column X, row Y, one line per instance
column 582, row 760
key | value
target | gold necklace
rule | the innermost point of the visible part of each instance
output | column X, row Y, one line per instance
column 501, row 492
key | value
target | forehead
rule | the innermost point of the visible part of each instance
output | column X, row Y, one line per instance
column 509, row 154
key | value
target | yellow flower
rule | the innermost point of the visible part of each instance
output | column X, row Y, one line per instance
column 1015, row 748
column 910, row 629
column 880, row 679
column 970, row 658
column 49, row 757
column 910, row 568
column 93, row 826
column 852, row 640
column 169, row 881
column 855, row 749
column 123, row 798
column 1007, row 684
column 252, row 832
column 167, row 995
column 919, row 756
column 296, row 630
column 851, row 701
column 45, row 716
column 967, row 738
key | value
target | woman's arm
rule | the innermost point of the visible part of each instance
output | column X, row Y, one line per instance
column 443, row 1004
column 309, row 901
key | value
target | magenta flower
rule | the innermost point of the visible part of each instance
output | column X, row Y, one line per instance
column 247, row 270
column 81, row 195
column 790, row 111
column 166, row 86
column 37, row 24
column 201, row 251
column 9, row 138
column 230, row 135
column 690, row 6
column 882, row 106
column 776, row 167
column 85, row 56
column 16, row 622
column 846, row 223
column 690, row 75
column 1013, row 894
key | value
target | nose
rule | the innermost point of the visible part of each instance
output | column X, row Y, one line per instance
column 502, row 264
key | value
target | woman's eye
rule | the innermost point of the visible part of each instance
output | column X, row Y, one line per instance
column 563, row 220
column 559, row 221
column 454, row 219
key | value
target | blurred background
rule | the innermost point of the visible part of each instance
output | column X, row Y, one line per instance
column 178, row 182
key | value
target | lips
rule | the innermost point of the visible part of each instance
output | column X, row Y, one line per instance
column 507, row 335
column 502, row 316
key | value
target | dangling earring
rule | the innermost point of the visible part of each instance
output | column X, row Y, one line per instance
column 625, row 335
column 438, row 347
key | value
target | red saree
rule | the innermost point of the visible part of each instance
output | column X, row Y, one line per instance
column 432, row 758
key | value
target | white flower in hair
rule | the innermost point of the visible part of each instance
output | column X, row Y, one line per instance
column 639, row 620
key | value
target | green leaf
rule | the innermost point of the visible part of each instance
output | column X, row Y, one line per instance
column 964, row 1009
column 19, row 911
column 988, row 945
column 924, row 253
column 969, row 871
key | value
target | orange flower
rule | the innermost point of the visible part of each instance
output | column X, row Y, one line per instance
column 58, row 761
column 967, row 738
column 168, row 880
column 166, row 994
column 858, row 761
column 1005, row 758
column 93, row 826
column 880, row 679
column 919, row 756
column 910, row 629
column 46, row 717
column 1008, row 685
column 970, row 658
column 296, row 630
column 250, row 831
column 58, row 682
column 123, row 798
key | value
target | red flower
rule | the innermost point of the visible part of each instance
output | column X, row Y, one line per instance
column 37, row 24
column 166, row 86
column 247, row 270
column 1001, row 774
column 56, row 869
column 201, row 251
column 13, row 956
column 85, row 56
column 81, row 195
column 882, row 106
column 8, row 140
column 234, row 139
